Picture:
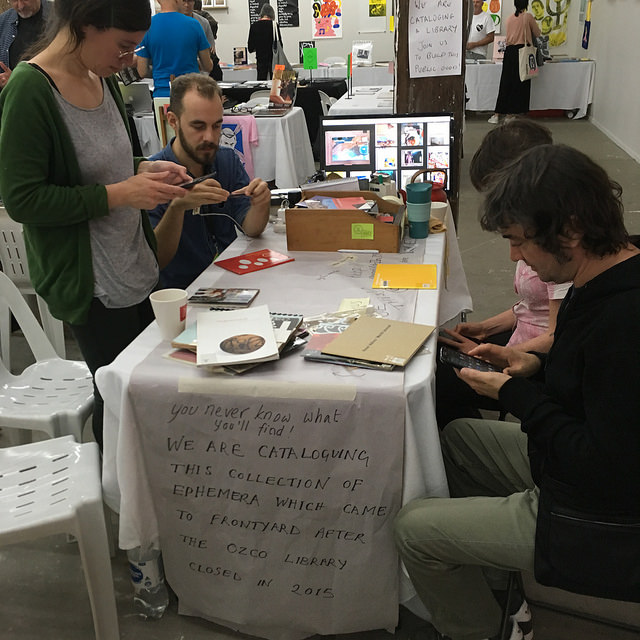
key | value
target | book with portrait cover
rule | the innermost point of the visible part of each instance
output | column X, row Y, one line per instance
column 239, row 336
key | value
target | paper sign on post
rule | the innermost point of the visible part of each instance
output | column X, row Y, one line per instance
column 310, row 58
column 435, row 38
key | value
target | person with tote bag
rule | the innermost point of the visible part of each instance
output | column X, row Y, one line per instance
column 513, row 95
column 261, row 40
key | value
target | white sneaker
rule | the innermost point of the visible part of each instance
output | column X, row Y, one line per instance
column 494, row 119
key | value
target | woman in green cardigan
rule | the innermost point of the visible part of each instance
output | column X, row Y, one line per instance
column 68, row 174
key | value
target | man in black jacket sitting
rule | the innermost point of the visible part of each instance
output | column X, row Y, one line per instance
column 561, row 495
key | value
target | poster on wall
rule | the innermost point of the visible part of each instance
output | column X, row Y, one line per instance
column 254, row 9
column 494, row 9
column 552, row 17
column 377, row 8
column 435, row 38
column 327, row 18
column 288, row 13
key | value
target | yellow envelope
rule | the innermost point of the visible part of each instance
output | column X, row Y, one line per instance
column 405, row 276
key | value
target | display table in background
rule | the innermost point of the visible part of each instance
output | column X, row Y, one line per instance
column 364, row 101
column 283, row 153
column 307, row 98
column 239, row 74
column 362, row 76
column 560, row 85
column 335, row 532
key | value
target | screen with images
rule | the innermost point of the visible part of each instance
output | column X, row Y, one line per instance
column 399, row 145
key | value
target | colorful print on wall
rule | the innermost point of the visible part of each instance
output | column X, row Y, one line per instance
column 494, row 9
column 327, row 18
column 551, row 16
column 377, row 8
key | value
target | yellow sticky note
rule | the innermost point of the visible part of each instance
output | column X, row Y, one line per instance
column 391, row 23
column 351, row 304
column 361, row 231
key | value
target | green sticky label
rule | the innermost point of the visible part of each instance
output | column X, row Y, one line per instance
column 361, row 231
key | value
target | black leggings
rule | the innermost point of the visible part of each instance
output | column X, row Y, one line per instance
column 105, row 334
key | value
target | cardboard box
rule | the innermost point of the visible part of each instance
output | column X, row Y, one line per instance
column 333, row 229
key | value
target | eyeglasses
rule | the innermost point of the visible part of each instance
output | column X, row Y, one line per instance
column 124, row 54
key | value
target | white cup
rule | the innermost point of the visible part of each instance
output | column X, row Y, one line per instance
column 439, row 210
column 170, row 309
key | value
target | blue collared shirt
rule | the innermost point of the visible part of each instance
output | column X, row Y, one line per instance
column 204, row 237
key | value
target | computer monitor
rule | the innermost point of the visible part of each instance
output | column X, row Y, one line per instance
column 399, row 145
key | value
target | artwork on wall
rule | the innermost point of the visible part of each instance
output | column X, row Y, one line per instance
column 551, row 17
column 377, row 8
column 327, row 18
column 215, row 4
column 494, row 9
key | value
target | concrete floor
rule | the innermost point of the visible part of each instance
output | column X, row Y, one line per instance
column 41, row 582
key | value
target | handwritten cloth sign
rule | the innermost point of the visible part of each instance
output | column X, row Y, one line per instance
column 274, row 497
column 435, row 38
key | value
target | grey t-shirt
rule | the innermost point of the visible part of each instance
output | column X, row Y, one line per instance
column 124, row 268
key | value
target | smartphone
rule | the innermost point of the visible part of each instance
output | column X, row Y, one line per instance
column 189, row 185
column 461, row 360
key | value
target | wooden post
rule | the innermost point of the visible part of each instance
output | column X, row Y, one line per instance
column 441, row 93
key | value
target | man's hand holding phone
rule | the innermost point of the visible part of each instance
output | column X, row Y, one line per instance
column 200, row 191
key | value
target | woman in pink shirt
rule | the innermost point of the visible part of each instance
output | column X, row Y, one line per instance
column 513, row 95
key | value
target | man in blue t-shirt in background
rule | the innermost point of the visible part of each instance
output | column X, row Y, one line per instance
column 188, row 243
column 173, row 45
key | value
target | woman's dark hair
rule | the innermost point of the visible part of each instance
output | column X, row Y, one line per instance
column 520, row 5
column 128, row 15
column 553, row 191
column 267, row 11
column 502, row 146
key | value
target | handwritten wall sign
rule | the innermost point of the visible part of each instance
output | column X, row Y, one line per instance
column 276, row 513
column 435, row 38
column 288, row 13
column 254, row 9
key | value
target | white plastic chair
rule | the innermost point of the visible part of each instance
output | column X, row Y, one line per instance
column 52, row 487
column 325, row 102
column 13, row 258
column 261, row 93
column 53, row 395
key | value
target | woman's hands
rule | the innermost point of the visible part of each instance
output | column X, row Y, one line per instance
column 155, row 183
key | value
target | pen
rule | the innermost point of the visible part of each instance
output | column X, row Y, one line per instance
column 358, row 251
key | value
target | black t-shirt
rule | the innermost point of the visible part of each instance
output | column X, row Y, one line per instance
column 29, row 30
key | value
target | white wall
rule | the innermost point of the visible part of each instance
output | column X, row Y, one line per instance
column 234, row 28
column 614, row 47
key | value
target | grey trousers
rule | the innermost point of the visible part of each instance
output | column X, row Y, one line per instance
column 489, row 522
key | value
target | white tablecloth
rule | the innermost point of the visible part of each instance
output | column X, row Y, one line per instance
column 238, row 75
column 147, row 133
column 284, row 151
column 560, row 85
column 362, row 102
column 125, row 485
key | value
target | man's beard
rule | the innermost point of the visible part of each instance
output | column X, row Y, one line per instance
column 203, row 154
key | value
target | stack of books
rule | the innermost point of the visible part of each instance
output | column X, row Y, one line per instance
column 237, row 340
